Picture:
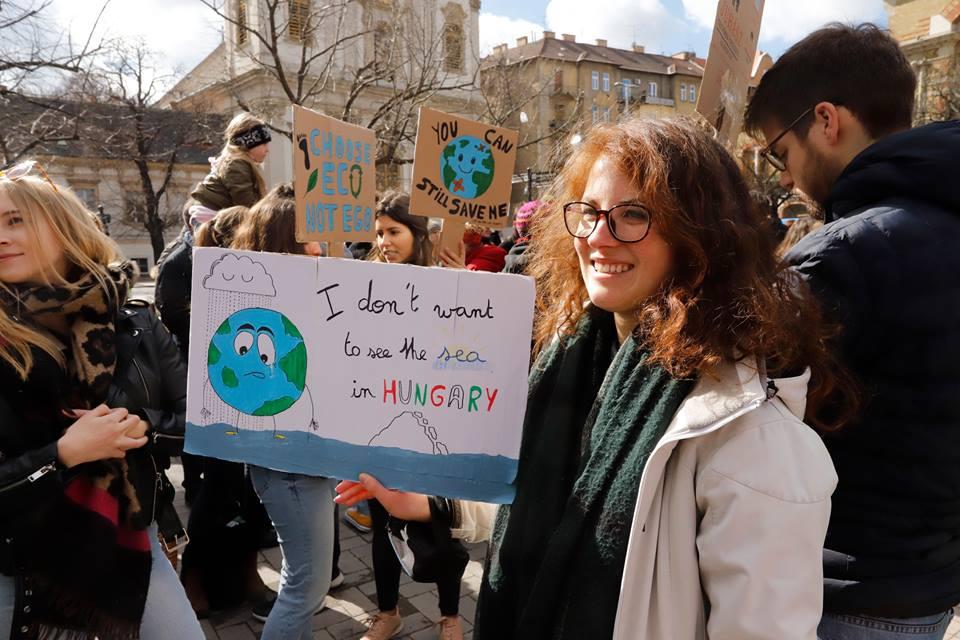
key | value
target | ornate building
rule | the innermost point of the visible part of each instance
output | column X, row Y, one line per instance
column 553, row 88
column 929, row 33
column 370, row 62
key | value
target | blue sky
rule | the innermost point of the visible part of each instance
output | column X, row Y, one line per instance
column 183, row 32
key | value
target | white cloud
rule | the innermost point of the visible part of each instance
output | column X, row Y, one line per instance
column 496, row 30
column 181, row 32
column 620, row 22
column 239, row 274
column 786, row 21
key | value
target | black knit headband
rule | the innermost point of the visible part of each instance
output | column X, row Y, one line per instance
column 251, row 138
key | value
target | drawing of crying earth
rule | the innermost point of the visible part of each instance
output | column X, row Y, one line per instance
column 257, row 363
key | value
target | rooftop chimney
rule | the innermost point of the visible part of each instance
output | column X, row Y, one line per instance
column 684, row 55
column 548, row 35
column 639, row 48
column 601, row 42
column 569, row 37
column 521, row 41
column 499, row 48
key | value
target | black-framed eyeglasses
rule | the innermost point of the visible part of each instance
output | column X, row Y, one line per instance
column 770, row 155
column 627, row 222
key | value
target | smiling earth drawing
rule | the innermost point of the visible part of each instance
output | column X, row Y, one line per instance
column 257, row 362
column 466, row 166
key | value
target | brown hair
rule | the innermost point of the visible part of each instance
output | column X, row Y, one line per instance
column 271, row 224
column 828, row 65
column 727, row 297
column 219, row 231
column 796, row 232
column 396, row 206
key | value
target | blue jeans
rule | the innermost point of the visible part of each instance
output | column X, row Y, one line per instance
column 301, row 508
column 847, row 627
column 167, row 613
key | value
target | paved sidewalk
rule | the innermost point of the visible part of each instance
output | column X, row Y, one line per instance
column 348, row 607
column 353, row 603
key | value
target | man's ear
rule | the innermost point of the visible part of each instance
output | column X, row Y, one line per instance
column 827, row 122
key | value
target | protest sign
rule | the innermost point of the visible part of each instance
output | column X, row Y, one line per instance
column 334, row 178
column 462, row 172
column 723, row 91
column 416, row 375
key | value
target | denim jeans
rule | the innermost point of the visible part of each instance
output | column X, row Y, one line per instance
column 848, row 627
column 301, row 508
column 167, row 613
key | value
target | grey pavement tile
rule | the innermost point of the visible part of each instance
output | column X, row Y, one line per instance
column 412, row 589
column 346, row 544
column 274, row 557
column 208, row 631
column 350, row 563
column 321, row 634
column 221, row 619
column 426, row 603
column 468, row 608
column 236, row 632
column 369, row 588
column 415, row 622
column 351, row 601
column 346, row 630
column 329, row 617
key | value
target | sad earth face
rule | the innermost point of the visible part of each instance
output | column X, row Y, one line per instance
column 257, row 362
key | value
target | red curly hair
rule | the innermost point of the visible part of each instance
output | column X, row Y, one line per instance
column 727, row 298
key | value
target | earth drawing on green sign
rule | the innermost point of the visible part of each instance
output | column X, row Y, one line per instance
column 257, row 362
column 466, row 166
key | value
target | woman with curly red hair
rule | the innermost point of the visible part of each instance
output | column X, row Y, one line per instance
column 668, row 486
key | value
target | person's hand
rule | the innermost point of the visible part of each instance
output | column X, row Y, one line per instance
column 454, row 258
column 400, row 504
column 98, row 434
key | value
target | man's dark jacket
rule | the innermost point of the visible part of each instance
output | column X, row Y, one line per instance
column 887, row 267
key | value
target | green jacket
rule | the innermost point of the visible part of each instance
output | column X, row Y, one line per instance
column 235, row 184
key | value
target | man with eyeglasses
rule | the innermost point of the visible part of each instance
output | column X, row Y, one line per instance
column 835, row 113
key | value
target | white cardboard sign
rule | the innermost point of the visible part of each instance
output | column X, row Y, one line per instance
column 416, row 375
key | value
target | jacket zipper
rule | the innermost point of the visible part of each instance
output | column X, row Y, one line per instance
column 156, row 489
column 143, row 380
column 33, row 477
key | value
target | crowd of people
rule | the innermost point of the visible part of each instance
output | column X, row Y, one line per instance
column 724, row 438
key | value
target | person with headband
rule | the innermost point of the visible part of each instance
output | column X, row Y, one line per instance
column 235, row 177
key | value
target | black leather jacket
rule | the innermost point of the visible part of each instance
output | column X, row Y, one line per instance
column 150, row 380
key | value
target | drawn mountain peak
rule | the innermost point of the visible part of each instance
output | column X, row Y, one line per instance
column 409, row 430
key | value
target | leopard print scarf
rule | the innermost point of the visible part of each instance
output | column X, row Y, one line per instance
column 95, row 583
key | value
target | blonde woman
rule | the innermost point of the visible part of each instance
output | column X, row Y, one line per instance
column 92, row 407
column 235, row 177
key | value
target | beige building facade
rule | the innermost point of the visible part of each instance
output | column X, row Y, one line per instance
column 437, row 40
column 560, row 87
column 929, row 33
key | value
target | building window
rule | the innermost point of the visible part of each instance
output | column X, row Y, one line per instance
column 557, row 80
column 143, row 265
column 452, row 47
column 241, row 21
column 88, row 195
column 133, row 206
column 299, row 18
column 627, row 87
column 595, row 80
column 652, row 90
column 595, row 111
column 606, row 82
column 683, row 92
column 693, row 93
column 606, row 114
column 382, row 43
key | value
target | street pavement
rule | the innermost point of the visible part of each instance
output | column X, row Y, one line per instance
column 350, row 606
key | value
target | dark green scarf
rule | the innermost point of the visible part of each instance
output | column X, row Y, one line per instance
column 594, row 415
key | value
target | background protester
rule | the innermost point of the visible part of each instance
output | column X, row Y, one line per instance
column 884, row 267
column 474, row 254
column 667, row 486
column 299, row 505
column 403, row 238
column 82, row 552
column 235, row 177
column 516, row 260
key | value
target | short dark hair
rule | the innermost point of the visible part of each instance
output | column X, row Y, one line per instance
column 859, row 67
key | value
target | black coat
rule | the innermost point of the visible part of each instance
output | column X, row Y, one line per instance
column 888, row 269
column 150, row 381
column 173, row 290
